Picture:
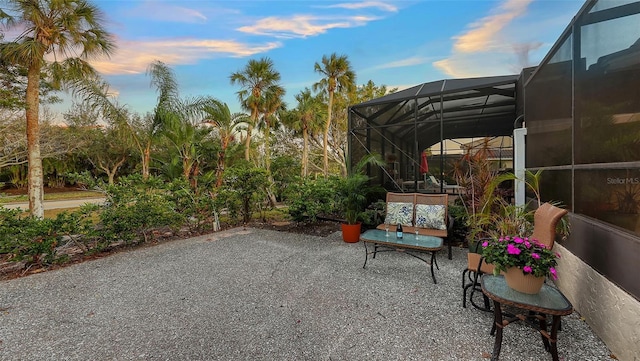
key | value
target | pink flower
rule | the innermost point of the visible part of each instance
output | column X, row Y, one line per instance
column 527, row 244
column 507, row 238
column 553, row 272
column 518, row 240
column 527, row 269
column 500, row 239
column 511, row 249
column 485, row 243
column 535, row 256
column 558, row 255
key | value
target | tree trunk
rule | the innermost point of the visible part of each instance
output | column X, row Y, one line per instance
column 111, row 172
column 325, row 152
column 247, row 144
column 270, row 195
column 220, row 170
column 146, row 160
column 112, row 176
column 186, row 168
column 267, row 149
column 305, row 155
column 35, row 181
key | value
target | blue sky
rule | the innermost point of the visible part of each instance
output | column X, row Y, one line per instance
column 395, row 43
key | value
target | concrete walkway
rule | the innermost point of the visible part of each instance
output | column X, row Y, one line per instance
column 260, row 295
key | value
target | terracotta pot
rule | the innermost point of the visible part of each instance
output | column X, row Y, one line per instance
column 525, row 283
column 351, row 232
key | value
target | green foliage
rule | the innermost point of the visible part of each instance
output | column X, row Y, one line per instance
column 460, row 217
column 284, row 170
column 85, row 180
column 198, row 205
column 26, row 238
column 136, row 207
column 352, row 196
column 353, row 190
column 246, row 187
column 18, row 176
column 36, row 241
column 374, row 214
column 310, row 198
column 521, row 252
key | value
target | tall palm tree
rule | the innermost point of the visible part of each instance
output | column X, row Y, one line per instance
column 71, row 31
column 218, row 115
column 307, row 118
column 337, row 74
column 256, row 77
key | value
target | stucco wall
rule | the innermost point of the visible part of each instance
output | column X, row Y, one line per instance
column 613, row 314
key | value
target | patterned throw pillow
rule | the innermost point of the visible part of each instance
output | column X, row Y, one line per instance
column 398, row 212
column 430, row 216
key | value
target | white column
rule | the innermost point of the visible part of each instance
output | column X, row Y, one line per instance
column 518, row 164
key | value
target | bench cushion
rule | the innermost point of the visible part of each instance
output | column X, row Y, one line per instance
column 431, row 216
column 399, row 212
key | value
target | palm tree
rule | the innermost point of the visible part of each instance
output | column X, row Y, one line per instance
column 71, row 32
column 270, row 106
column 256, row 77
column 307, row 118
column 174, row 119
column 337, row 74
column 164, row 79
column 218, row 115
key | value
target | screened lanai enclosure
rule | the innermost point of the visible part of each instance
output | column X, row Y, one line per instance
column 416, row 130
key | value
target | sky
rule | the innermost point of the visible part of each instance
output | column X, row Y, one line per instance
column 393, row 43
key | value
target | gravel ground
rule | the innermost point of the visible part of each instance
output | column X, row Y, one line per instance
column 253, row 294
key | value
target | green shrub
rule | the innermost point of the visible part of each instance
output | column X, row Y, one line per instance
column 460, row 217
column 374, row 214
column 197, row 206
column 245, row 191
column 312, row 197
column 136, row 207
column 285, row 171
column 36, row 241
column 26, row 238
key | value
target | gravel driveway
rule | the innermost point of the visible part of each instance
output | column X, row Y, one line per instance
column 252, row 294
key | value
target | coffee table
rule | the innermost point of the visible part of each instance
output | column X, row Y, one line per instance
column 549, row 301
column 410, row 244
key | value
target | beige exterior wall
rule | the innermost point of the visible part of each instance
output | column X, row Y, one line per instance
column 613, row 314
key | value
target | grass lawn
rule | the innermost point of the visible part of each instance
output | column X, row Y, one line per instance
column 5, row 199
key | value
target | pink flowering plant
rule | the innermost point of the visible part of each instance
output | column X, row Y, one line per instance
column 525, row 253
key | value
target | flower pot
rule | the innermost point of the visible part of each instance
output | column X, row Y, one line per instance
column 351, row 232
column 525, row 283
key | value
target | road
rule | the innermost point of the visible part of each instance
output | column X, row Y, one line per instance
column 64, row 203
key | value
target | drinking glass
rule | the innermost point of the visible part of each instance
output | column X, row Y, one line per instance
column 386, row 228
column 416, row 234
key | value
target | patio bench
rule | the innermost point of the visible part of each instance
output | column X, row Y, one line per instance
column 426, row 213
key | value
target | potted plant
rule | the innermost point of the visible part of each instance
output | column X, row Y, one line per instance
column 352, row 199
column 524, row 262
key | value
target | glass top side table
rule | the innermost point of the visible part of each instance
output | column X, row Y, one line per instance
column 549, row 301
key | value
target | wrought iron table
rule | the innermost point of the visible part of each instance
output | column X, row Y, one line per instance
column 409, row 244
column 549, row 301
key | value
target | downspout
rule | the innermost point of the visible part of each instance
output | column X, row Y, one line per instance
column 519, row 148
column 444, row 83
